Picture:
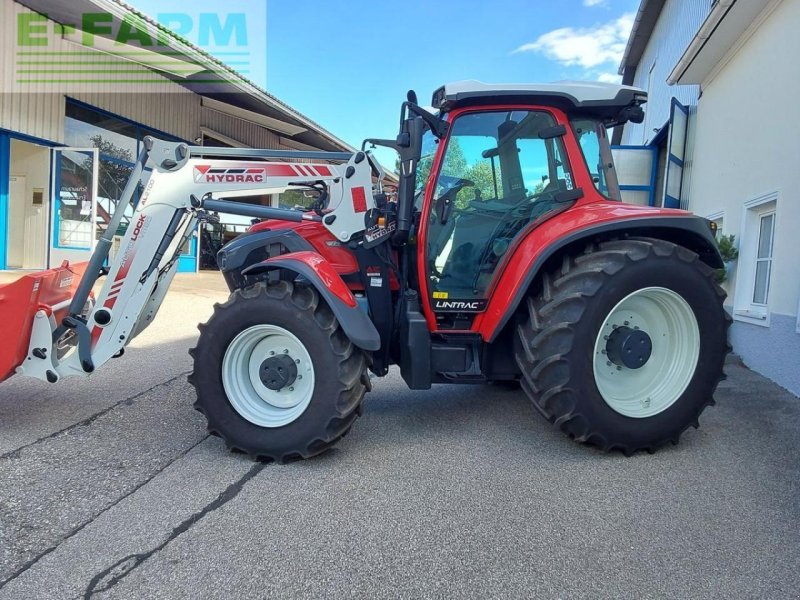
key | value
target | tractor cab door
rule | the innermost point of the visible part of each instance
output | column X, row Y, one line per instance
column 501, row 172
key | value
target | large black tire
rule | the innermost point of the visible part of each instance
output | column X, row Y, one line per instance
column 340, row 368
column 556, row 337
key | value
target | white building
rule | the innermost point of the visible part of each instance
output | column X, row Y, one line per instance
column 73, row 115
column 738, row 159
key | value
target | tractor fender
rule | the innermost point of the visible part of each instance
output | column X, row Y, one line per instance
column 681, row 228
column 321, row 274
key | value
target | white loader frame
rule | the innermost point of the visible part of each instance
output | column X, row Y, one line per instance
column 177, row 195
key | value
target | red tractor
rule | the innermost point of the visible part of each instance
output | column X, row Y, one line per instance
column 506, row 256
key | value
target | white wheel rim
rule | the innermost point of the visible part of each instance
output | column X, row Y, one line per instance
column 675, row 335
column 241, row 379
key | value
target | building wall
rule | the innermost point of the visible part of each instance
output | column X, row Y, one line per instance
column 678, row 22
column 242, row 131
column 746, row 146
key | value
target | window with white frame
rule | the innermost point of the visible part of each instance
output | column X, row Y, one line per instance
column 757, row 242
column 766, row 234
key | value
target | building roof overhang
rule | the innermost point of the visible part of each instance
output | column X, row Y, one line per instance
column 722, row 30
column 643, row 25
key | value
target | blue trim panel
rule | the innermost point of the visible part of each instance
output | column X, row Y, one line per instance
column 5, row 179
column 653, row 176
column 29, row 138
column 636, row 188
column 676, row 160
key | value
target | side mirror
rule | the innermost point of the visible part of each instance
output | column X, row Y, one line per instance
column 412, row 97
column 632, row 114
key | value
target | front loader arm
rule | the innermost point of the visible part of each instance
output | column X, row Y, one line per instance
column 185, row 184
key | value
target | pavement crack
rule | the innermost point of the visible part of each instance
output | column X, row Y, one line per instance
column 30, row 563
column 112, row 575
column 89, row 420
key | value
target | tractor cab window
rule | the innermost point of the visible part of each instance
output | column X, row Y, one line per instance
column 593, row 139
column 429, row 146
column 497, row 177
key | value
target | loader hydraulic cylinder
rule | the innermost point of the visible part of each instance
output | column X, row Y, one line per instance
column 258, row 212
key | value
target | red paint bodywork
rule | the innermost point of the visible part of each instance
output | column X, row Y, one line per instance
column 337, row 254
column 22, row 299
column 517, row 263
column 325, row 270
column 323, row 241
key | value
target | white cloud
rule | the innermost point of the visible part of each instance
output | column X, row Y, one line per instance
column 585, row 47
column 607, row 77
column 591, row 3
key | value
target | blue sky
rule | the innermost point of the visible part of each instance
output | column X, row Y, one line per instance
column 347, row 64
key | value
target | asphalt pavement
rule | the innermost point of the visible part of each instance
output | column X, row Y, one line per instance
column 111, row 488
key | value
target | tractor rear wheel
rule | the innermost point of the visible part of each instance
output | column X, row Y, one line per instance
column 623, row 346
column 275, row 375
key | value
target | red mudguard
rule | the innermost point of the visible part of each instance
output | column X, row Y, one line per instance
column 21, row 300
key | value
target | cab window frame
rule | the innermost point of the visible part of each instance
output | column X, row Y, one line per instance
column 571, row 119
column 562, row 151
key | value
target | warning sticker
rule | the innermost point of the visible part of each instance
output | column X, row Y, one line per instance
column 359, row 200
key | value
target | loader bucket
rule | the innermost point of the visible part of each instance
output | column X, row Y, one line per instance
column 50, row 291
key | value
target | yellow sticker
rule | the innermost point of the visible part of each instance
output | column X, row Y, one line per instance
column 441, row 295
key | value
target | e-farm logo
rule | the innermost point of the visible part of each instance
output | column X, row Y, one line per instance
column 202, row 45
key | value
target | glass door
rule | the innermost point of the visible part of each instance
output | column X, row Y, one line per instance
column 74, row 214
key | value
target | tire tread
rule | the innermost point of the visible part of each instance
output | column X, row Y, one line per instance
column 353, row 381
column 546, row 332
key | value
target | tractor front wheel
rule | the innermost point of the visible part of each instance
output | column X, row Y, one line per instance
column 623, row 346
column 275, row 375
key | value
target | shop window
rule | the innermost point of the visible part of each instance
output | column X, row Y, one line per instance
column 86, row 128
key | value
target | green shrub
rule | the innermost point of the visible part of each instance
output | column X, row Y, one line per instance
column 729, row 253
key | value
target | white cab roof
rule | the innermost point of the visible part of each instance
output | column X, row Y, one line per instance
column 588, row 96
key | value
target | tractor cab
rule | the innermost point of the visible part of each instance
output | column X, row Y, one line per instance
column 504, row 160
